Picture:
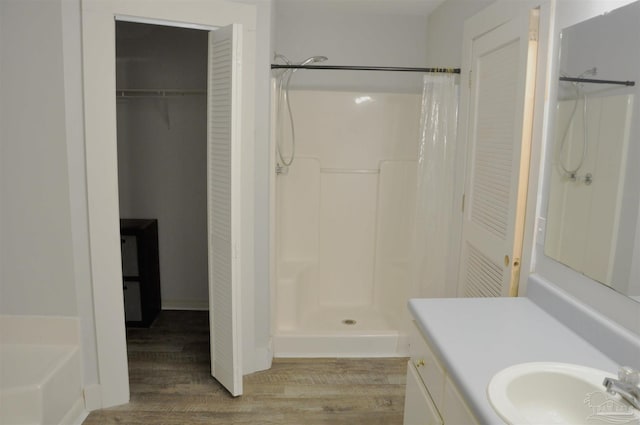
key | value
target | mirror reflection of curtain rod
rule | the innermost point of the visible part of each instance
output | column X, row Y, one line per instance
column 594, row 81
column 368, row 68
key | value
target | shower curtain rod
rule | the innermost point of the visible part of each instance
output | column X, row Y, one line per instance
column 594, row 81
column 158, row 92
column 368, row 68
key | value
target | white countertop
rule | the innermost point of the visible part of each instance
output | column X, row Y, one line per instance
column 476, row 337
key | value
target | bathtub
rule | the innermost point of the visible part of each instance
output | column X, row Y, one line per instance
column 40, row 371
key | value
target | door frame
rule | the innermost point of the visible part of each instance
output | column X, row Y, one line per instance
column 98, row 48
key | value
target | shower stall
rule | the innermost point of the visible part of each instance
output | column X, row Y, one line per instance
column 343, row 223
column 345, row 200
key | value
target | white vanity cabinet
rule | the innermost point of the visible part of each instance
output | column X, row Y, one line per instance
column 418, row 405
column 431, row 397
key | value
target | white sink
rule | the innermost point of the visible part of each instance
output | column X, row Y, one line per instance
column 556, row 393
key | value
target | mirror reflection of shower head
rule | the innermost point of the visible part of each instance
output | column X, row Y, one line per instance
column 571, row 172
column 313, row 59
column 591, row 71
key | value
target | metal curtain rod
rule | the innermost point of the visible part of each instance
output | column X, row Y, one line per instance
column 368, row 68
column 594, row 81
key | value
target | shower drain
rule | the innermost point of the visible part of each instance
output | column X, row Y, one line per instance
column 348, row 322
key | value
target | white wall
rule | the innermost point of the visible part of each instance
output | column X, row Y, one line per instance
column 444, row 30
column 349, row 35
column 37, row 245
column 162, row 152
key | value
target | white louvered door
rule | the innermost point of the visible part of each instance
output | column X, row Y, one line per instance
column 223, row 204
column 498, row 146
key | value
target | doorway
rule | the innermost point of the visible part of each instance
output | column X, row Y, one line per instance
column 179, row 167
column 161, row 86
column 98, row 53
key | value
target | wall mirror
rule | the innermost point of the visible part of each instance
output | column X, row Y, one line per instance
column 593, row 222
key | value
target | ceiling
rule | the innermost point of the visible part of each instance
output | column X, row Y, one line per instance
column 382, row 7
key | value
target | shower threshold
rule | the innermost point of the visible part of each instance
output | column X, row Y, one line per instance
column 340, row 332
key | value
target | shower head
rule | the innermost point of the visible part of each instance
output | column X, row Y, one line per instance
column 591, row 71
column 313, row 59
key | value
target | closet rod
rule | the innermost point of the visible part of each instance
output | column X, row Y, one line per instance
column 157, row 92
column 594, row 81
column 368, row 68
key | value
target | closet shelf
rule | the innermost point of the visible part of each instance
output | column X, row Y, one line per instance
column 132, row 93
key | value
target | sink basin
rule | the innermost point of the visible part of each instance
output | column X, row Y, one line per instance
column 556, row 393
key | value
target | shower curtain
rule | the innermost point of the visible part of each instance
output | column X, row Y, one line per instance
column 435, row 186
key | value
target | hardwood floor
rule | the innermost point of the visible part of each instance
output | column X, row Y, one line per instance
column 171, row 384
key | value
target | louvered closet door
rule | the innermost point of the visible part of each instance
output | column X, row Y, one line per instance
column 498, row 134
column 223, row 203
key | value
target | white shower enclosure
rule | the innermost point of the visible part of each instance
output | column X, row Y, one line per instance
column 343, row 225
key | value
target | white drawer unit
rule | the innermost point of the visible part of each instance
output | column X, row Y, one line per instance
column 431, row 396
column 418, row 406
column 427, row 365
column 454, row 408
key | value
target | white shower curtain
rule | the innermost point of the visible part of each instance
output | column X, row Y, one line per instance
column 434, row 200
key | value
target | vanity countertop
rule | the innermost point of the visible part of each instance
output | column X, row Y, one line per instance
column 475, row 338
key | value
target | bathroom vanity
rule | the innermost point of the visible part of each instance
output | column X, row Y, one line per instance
column 459, row 344
column 431, row 396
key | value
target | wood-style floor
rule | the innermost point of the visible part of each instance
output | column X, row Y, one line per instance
column 171, row 384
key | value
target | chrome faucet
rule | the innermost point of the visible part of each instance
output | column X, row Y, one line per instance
column 627, row 385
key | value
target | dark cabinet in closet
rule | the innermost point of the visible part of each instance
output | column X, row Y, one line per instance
column 140, row 271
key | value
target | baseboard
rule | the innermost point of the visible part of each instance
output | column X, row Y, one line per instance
column 76, row 415
column 92, row 397
column 195, row 305
column 263, row 358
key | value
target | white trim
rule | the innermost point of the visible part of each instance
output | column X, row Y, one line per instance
column 76, row 415
column 165, row 22
column 547, row 12
column 92, row 397
column 263, row 357
column 273, row 208
column 98, row 36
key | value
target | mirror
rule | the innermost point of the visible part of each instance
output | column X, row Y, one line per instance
column 593, row 222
